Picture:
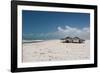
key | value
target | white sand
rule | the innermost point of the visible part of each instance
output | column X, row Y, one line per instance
column 55, row 50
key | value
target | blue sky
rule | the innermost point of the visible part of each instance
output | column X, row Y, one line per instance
column 44, row 22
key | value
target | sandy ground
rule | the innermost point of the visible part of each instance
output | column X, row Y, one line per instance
column 55, row 50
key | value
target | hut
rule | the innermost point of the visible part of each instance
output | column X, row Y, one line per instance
column 72, row 40
column 77, row 40
column 67, row 40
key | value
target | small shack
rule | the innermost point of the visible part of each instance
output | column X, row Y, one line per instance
column 67, row 40
column 77, row 40
column 72, row 40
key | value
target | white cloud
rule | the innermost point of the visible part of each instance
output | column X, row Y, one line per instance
column 72, row 31
column 83, row 33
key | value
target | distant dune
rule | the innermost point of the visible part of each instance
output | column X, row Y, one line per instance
column 55, row 50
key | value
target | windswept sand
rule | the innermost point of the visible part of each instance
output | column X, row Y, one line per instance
column 54, row 50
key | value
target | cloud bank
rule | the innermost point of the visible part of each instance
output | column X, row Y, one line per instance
column 72, row 31
column 83, row 33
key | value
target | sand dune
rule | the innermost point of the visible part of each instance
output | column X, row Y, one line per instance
column 55, row 50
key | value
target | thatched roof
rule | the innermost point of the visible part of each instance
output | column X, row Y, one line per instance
column 68, row 37
column 72, row 40
column 76, row 38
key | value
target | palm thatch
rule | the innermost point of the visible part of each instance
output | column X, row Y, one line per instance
column 67, row 40
column 72, row 40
